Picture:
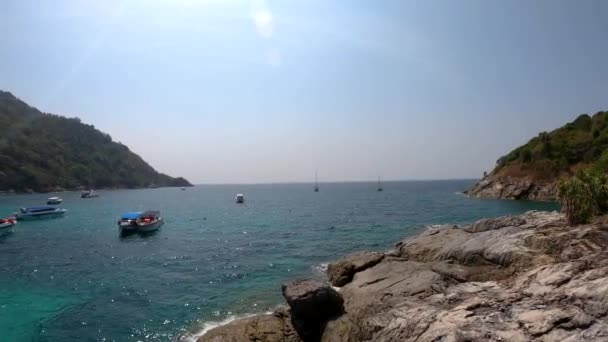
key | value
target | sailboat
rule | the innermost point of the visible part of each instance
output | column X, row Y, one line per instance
column 316, row 182
column 379, row 185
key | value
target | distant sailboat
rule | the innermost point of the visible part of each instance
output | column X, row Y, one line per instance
column 316, row 182
column 379, row 185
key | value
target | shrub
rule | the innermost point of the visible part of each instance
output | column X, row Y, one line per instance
column 584, row 196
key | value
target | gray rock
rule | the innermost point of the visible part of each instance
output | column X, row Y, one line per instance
column 342, row 271
column 263, row 328
column 495, row 223
column 312, row 304
column 495, row 186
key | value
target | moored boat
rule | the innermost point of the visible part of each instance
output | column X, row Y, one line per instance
column 54, row 200
column 127, row 222
column 149, row 221
column 239, row 198
column 88, row 194
column 39, row 212
column 7, row 222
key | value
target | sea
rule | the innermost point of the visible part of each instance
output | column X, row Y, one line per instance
column 75, row 278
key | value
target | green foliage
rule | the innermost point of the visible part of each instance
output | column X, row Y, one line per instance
column 583, row 140
column 584, row 195
column 43, row 151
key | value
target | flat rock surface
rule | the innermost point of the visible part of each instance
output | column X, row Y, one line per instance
column 342, row 271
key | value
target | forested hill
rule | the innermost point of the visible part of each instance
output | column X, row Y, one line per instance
column 580, row 143
column 45, row 152
column 532, row 171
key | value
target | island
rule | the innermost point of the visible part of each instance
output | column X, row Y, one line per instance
column 42, row 152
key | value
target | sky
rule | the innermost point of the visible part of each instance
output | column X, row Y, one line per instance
column 271, row 91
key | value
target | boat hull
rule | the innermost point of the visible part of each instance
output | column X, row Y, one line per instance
column 150, row 227
column 6, row 226
column 127, row 227
column 40, row 215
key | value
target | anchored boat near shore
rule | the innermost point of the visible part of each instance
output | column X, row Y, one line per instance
column 88, row 194
column 147, row 221
column 39, row 212
column 54, row 200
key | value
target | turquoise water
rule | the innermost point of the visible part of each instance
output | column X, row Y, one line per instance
column 74, row 278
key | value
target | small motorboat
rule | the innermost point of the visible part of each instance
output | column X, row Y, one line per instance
column 149, row 221
column 88, row 194
column 240, row 198
column 7, row 222
column 127, row 222
column 54, row 200
column 39, row 212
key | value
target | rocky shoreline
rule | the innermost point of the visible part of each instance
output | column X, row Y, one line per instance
column 514, row 188
column 515, row 278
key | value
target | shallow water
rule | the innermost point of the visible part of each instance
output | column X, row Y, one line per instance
column 75, row 278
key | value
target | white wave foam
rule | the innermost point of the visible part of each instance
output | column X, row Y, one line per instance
column 321, row 268
column 207, row 326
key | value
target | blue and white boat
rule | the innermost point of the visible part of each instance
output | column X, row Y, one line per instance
column 140, row 222
column 45, row 211
column 128, row 221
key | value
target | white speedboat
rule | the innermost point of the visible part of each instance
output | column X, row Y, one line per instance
column 149, row 221
column 39, row 212
column 54, row 200
column 239, row 198
column 7, row 223
column 88, row 194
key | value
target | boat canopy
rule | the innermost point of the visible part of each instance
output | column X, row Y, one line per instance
column 53, row 198
column 131, row 216
column 38, row 208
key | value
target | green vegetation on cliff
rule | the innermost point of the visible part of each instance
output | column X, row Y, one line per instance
column 43, row 152
column 580, row 143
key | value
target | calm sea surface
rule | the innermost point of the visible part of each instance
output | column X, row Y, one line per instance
column 75, row 279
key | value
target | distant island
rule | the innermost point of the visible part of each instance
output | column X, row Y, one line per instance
column 532, row 171
column 42, row 152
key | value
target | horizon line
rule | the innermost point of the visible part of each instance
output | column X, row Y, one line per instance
column 339, row 182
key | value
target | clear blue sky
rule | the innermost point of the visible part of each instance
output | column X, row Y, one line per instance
column 269, row 91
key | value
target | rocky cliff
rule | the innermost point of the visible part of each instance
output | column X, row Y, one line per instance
column 514, row 188
column 516, row 278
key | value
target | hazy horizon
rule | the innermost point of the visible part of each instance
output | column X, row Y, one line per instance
column 257, row 92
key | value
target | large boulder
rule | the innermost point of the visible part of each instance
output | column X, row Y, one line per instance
column 342, row 271
column 312, row 305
